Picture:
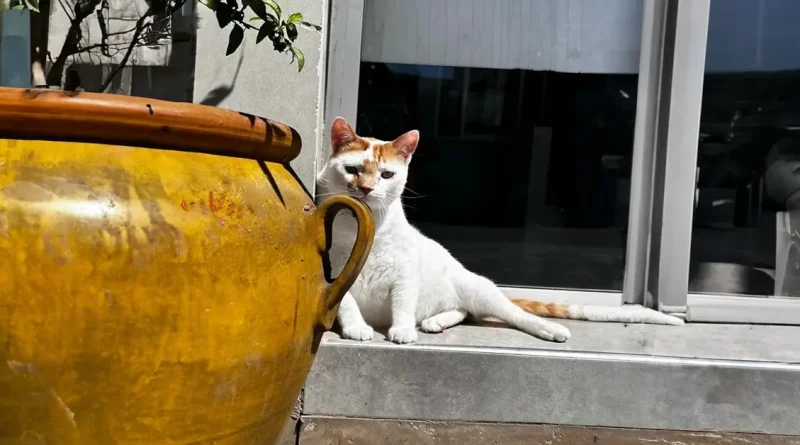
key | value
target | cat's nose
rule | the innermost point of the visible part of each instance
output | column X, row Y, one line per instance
column 365, row 189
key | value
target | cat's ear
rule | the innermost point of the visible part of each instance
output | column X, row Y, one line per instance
column 406, row 144
column 342, row 134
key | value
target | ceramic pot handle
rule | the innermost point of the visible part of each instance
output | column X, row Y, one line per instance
column 335, row 291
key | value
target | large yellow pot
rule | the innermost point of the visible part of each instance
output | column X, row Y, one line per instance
column 156, row 296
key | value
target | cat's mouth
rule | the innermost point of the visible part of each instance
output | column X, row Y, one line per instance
column 372, row 202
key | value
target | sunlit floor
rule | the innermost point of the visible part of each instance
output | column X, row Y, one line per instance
column 780, row 344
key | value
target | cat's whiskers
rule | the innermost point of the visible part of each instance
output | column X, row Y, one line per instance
column 412, row 191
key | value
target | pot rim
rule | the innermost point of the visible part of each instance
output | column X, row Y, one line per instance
column 53, row 115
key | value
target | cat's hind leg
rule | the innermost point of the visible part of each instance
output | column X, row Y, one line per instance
column 442, row 321
column 482, row 298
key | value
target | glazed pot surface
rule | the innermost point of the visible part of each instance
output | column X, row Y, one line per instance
column 158, row 296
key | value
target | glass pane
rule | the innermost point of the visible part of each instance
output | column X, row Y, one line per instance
column 523, row 175
column 747, row 215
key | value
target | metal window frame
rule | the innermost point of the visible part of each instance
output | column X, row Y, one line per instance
column 671, row 69
column 343, row 70
column 343, row 66
column 676, row 147
column 643, row 162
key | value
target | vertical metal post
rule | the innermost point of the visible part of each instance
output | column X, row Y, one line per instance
column 677, row 135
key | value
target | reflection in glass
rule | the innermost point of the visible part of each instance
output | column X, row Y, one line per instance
column 747, row 214
column 524, row 175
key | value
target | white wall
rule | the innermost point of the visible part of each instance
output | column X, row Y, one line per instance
column 259, row 81
column 253, row 80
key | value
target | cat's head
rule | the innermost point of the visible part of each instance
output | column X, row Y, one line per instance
column 368, row 168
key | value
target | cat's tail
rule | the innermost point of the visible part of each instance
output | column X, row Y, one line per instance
column 629, row 313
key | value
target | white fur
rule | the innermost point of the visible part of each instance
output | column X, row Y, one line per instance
column 629, row 313
column 410, row 280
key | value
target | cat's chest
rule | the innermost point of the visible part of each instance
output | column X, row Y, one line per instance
column 383, row 263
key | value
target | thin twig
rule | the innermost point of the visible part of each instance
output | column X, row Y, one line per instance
column 140, row 26
column 71, row 41
column 86, row 49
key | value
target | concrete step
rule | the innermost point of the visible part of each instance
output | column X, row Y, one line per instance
column 699, row 377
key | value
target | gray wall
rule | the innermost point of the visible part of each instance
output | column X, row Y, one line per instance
column 259, row 81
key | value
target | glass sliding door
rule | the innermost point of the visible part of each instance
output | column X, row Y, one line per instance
column 747, row 213
column 527, row 112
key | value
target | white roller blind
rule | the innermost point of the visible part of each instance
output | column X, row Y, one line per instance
column 596, row 36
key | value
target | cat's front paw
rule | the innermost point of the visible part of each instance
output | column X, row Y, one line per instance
column 361, row 332
column 403, row 335
column 552, row 332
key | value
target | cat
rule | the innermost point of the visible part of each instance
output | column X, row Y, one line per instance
column 411, row 281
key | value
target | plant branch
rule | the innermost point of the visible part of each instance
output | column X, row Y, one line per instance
column 279, row 29
column 71, row 41
column 140, row 26
column 138, row 29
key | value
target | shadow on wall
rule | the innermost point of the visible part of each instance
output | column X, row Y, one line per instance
column 220, row 93
column 172, row 81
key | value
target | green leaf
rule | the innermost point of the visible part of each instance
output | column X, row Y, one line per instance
column 258, row 7
column 210, row 4
column 18, row 7
column 256, row 19
column 266, row 30
column 274, row 6
column 301, row 59
column 291, row 31
column 224, row 14
column 279, row 43
column 33, row 5
column 294, row 18
column 235, row 39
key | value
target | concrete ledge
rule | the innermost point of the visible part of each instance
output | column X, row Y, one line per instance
column 334, row 431
column 694, row 378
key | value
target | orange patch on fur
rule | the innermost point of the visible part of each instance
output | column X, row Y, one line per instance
column 370, row 167
column 358, row 144
column 387, row 152
column 383, row 152
column 369, row 177
column 549, row 310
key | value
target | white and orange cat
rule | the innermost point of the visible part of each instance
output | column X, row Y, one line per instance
column 411, row 281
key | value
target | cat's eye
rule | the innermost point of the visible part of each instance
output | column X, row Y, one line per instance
column 387, row 175
column 351, row 169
